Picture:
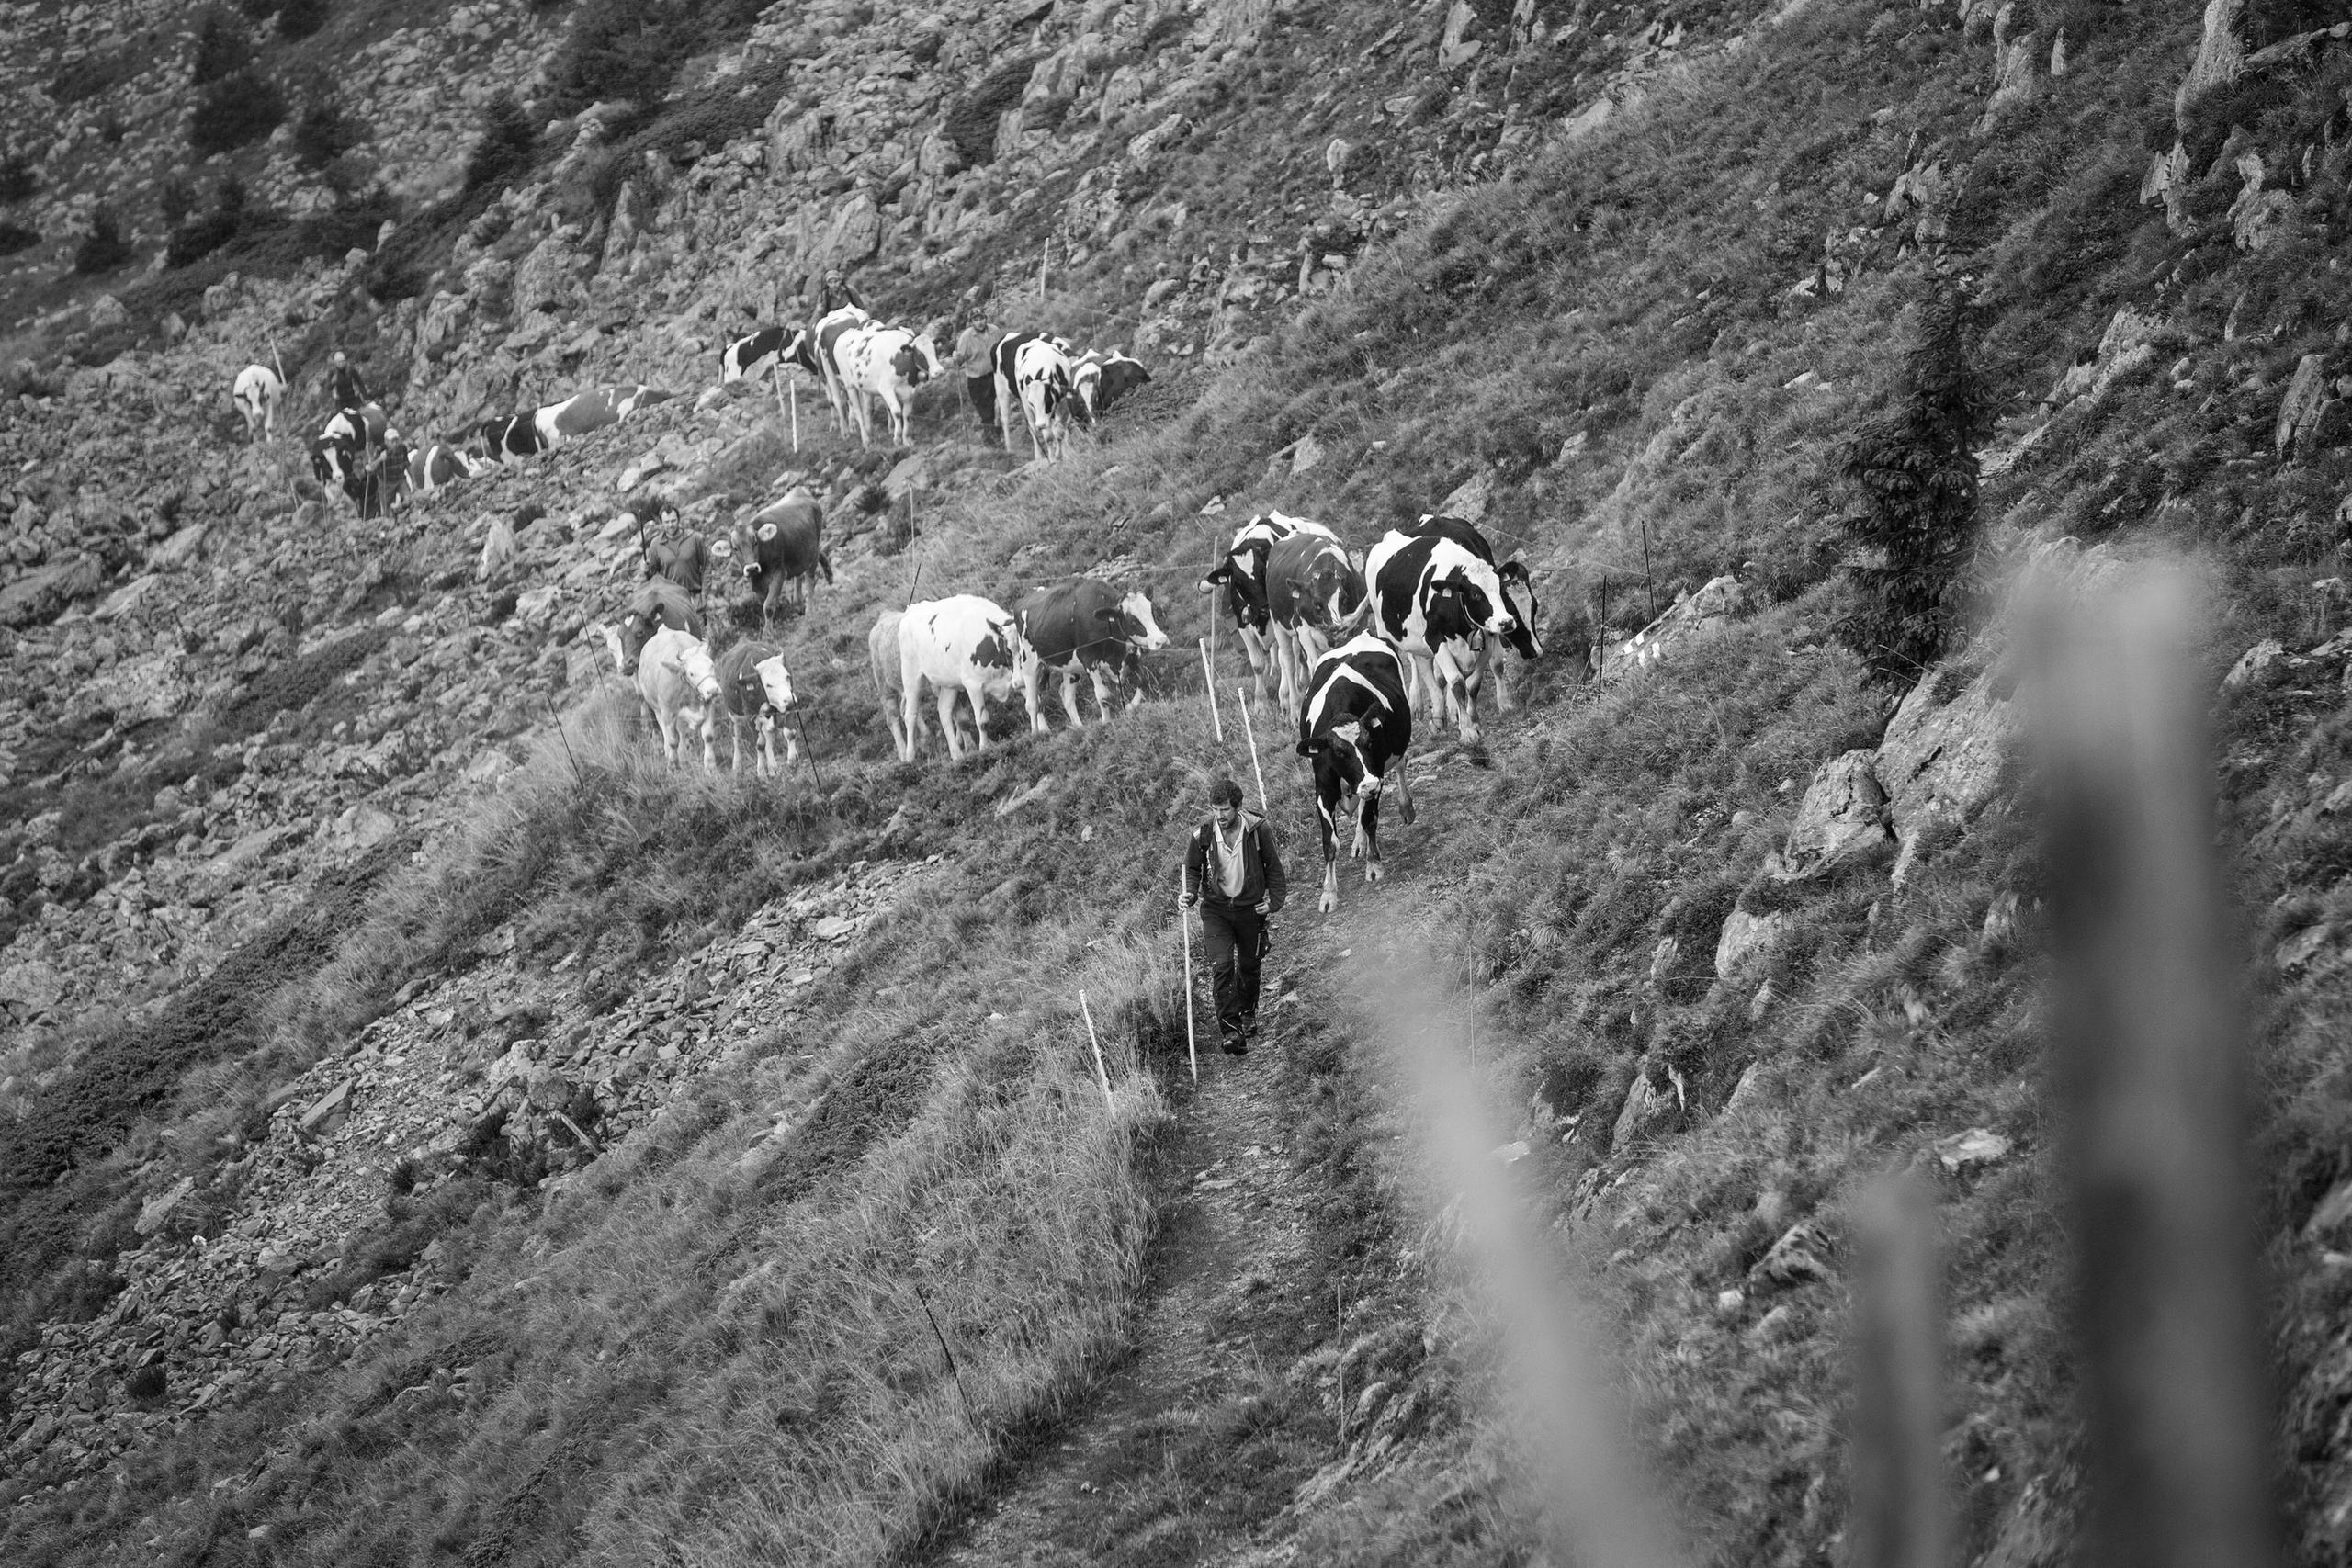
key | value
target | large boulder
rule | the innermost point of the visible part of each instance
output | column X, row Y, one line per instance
column 1842, row 819
column 1942, row 756
column 1690, row 618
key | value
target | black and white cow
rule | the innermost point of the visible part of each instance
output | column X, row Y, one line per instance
column 749, row 355
column 1083, row 625
column 255, row 392
column 1439, row 596
column 1354, row 731
column 1002, row 397
column 962, row 643
column 655, row 605
column 504, row 437
column 1242, row 575
column 593, row 410
column 828, row 332
column 1102, row 379
column 888, row 362
column 360, row 453
column 782, row 551
column 1041, row 379
column 755, row 684
column 432, row 467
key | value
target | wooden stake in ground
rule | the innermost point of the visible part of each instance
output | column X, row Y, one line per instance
column 1184, row 924
column 1241, row 696
column 2148, row 1047
column 1208, row 684
column 1896, row 1471
column 1102, row 1074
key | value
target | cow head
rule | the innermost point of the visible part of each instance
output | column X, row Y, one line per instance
column 909, row 366
column 331, row 459
column 1518, row 594
column 775, row 682
column 1242, row 575
column 1086, row 383
column 629, row 639
column 1131, row 621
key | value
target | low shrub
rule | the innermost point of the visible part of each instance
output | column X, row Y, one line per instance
column 298, row 19
column 322, row 134
column 15, row 237
column 223, row 48
column 971, row 119
column 235, row 112
column 200, row 237
column 103, row 249
column 504, row 147
column 87, row 78
column 18, row 178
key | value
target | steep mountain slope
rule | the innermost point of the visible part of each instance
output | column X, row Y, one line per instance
column 593, row 1163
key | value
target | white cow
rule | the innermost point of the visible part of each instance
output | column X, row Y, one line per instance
column 962, row 643
column 677, row 681
column 831, row 329
column 1042, row 380
column 255, row 393
column 888, row 362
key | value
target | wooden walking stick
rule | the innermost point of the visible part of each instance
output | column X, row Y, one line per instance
column 1264, row 809
column 1184, row 924
column 1208, row 684
column 1102, row 1074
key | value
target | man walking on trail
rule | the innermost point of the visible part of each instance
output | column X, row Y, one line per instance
column 1234, row 871
column 345, row 386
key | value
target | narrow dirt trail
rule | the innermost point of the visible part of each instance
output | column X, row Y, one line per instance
column 1192, row 1449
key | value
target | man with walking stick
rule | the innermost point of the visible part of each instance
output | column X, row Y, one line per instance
column 1233, row 871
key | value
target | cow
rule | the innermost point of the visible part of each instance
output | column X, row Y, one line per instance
column 1041, row 378
column 782, row 549
column 1315, row 597
column 1439, row 597
column 1083, row 625
column 828, row 330
column 593, row 410
column 1100, row 379
column 1242, row 575
column 255, row 392
column 676, row 681
column 747, row 355
column 963, row 642
column 1003, row 398
column 349, row 442
column 888, row 362
column 503, row 436
column 1354, row 731
column 755, row 684
column 430, row 468
column 656, row 607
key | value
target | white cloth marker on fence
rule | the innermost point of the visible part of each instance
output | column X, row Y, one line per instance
column 1208, row 684
column 1102, row 1074
column 1184, row 924
column 1241, row 694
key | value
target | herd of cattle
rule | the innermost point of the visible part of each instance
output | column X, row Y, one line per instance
column 857, row 359
column 1351, row 645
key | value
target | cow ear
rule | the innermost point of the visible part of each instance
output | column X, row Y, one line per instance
column 1108, row 615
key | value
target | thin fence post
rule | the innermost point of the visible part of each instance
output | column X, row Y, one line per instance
column 1208, row 684
column 1184, row 924
column 1266, row 807
column 1102, row 1073
column 1649, row 575
column 808, row 750
column 1895, row 1517
column 577, row 776
column 953, row 1369
column 2147, row 1045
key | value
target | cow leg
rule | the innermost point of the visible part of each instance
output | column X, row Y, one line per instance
column 1423, row 696
column 1327, row 804
column 791, row 746
column 1459, row 691
column 896, row 724
column 1033, row 692
column 1069, row 696
column 1287, row 661
column 1368, row 832
column 1106, row 692
column 669, row 726
column 735, row 741
column 709, row 752
column 911, row 699
column 978, row 695
column 1253, row 643
column 1404, row 792
column 945, row 696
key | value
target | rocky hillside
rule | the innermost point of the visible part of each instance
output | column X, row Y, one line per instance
column 437, row 1132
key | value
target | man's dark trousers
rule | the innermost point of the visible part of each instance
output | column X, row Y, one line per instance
column 1235, row 937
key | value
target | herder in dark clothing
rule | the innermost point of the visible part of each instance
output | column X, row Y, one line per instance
column 346, row 387
column 835, row 291
column 1233, row 870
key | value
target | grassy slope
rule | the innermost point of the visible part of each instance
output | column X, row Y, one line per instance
column 1599, row 296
